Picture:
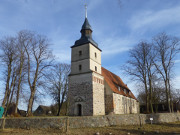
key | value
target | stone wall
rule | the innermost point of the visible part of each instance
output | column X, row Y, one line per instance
column 124, row 105
column 98, row 94
column 109, row 104
column 119, row 104
column 109, row 107
column 86, row 90
column 90, row 121
column 80, row 93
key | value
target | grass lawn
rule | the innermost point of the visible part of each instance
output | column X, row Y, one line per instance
column 159, row 129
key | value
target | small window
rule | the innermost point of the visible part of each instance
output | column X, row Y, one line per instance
column 95, row 55
column 80, row 53
column 95, row 68
column 125, row 91
column 80, row 67
column 119, row 88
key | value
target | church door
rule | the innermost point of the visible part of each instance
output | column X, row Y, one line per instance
column 79, row 109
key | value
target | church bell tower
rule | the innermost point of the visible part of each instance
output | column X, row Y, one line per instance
column 86, row 84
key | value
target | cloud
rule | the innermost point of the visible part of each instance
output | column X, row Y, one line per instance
column 112, row 46
column 176, row 82
column 61, row 50
column 177, row 61
column 153, row 19
column 63, row 56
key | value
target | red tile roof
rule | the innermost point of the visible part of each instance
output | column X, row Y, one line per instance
column 114, row 81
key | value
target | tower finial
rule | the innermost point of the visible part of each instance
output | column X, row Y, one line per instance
column 86, row 10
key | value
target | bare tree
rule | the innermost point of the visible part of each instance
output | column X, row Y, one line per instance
column 141, row 68
column 156, row 59
column 166, row 48
column 8, row 58
column 150, row 56
column 26, row 47
column 58, row 83
column 158, row 96
column 23, row 40
column 39, row 58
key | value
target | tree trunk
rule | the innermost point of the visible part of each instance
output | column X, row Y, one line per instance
column 167, row 97
column 59, row 98
column 7, row 103
column 59, row 108
column 156, row 108
column 29, row 112
column 170, row 96
column 12, row 87
column 151, row 104
column 150, row 89
column 19, row 84
column 33, row 90
column 7, row 85
column 147, row 98
column 12, row 93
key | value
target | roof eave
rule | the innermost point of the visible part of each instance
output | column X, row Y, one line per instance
column 85, row 44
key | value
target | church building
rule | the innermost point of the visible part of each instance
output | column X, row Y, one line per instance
column 93, row 90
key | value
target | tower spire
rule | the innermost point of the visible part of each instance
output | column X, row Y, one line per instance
column 86, row 10
column 86, row 33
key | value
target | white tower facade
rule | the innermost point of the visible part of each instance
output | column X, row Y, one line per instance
column 86, row 84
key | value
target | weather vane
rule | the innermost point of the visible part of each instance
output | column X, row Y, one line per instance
column 86, row 10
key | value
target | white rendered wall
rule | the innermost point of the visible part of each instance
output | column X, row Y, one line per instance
column 98, row 94
column 87, row 60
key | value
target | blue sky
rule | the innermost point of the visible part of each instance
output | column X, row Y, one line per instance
column 117, row 25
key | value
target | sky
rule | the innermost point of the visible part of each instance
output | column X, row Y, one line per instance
column 117, row 25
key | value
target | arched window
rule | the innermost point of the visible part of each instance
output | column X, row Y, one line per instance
column 80, row 53
column 95, row 68
column 95, row 55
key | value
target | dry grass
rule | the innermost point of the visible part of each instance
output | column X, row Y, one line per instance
column 159, row 129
